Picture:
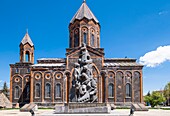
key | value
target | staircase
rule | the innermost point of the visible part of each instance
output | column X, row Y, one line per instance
column 29, row 107
column 139, row 107
column 4, row 102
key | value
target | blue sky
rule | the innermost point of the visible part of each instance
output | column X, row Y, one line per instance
column 129, row 28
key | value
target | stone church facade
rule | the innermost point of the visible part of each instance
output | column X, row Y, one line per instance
column 50, row 81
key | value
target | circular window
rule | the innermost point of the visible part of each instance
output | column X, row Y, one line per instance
column 58, row 76
column 17, row 79
column 38, row 76
column 48, row 76
column 111, row 75
column 92, row 31
column 27, row 79
column 76, row 31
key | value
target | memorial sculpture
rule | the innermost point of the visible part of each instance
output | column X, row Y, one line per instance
column 83, row 80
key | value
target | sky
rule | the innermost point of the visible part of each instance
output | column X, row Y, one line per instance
column 129, row 28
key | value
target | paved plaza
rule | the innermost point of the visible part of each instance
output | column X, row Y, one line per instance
column 117, row 112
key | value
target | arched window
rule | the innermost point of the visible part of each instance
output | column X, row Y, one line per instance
column 28, row 70
column 47, row 90
column 27, row 56
column 85, row 38
column 70, row 42
column 17, row 70
column 128, row 90
column 92, row 39
column 111, row 90
column 76, row 39
column 58, row 90
column 98, row 42
column 27, row 91
column 16, row 92
column 37, row 90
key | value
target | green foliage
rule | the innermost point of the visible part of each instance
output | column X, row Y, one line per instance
column 167, row 91
column 154, row 99
column 165, row 108
column 148, row 94
column 5, row 89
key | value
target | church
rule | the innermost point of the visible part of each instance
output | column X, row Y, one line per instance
column 50, row 81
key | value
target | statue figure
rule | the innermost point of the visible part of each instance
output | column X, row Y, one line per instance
column 84, row 82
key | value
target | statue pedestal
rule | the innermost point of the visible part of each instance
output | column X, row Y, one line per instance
column 77, row 108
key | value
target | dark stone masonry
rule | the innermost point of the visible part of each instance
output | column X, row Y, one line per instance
column 50, row 82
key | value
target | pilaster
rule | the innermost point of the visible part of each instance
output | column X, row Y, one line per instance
column 31, row 88
column 141, row 86
column 11, row 94
column 43, row 88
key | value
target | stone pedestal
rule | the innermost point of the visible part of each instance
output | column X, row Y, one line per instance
column 83, row 108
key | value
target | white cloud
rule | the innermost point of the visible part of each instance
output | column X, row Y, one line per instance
column 157, row 57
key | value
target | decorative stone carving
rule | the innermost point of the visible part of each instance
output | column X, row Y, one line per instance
column 17, row 79
column 37, row 76
column 83, row 79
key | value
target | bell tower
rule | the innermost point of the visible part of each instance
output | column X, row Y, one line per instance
column 27, row 49
column 84, row 28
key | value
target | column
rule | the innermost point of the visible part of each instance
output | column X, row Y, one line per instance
column 106, row 88
column 11, row 94
column 115, row 88
column 141, row 87
column 24, row 56
column 31, row 88
column 132, row 87
column 42, row 88
column 123, row 87
column 53, row 86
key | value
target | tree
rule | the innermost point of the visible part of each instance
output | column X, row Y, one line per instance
column 5, row 89
column 167, row 92
column 154, row 99
column 148, row 94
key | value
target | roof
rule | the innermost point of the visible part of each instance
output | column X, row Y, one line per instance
column 120, row 59
column 51, row 60
column 121, row 64
column 27, row 39
column 84, row 12
column 116, row 62
column 49, row 65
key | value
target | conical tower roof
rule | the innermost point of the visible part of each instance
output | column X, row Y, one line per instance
column 84, row 12
column 27, row 39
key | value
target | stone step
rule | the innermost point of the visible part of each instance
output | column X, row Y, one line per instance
column 4, row 101
column 143, row 107
column 28, row 107
column 139, row 107
column 24, row 107
column 136, row 107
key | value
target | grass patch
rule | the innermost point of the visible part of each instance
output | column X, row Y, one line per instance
column 9, row 108
column 153, row 108
column 122, row 108
column 45, row 108
column 165, row 108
